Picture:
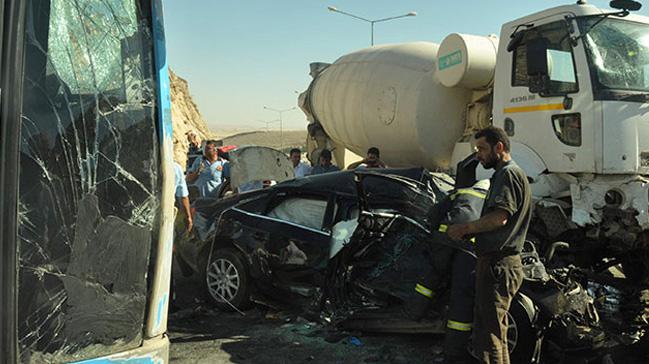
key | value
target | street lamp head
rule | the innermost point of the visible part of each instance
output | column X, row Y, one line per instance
column 331, row 8
column 412, row 13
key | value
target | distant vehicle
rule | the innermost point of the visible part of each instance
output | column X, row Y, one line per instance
column 87, row 179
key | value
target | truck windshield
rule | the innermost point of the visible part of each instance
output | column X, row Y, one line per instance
column 618, row 54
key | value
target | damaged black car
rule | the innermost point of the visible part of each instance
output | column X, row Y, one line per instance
column 366, row 251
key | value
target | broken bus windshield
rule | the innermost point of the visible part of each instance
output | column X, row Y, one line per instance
column 89, row 185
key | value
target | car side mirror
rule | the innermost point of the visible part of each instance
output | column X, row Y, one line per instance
column 537, row 65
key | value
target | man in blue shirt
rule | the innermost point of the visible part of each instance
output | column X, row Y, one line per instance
column 184, row 216
column 371, row 161
column 182, row 196
column 325, row 165
column 207, row 172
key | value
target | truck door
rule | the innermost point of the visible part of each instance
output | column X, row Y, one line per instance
column 559, row 124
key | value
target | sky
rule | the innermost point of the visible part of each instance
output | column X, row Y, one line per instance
column 241, row 55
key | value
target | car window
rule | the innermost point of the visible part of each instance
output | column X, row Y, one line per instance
column 257, row 205
column 307, row 212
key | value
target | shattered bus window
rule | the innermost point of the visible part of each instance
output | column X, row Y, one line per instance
column 89, row 182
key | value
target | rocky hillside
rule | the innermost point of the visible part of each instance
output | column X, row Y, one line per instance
column 185, row 117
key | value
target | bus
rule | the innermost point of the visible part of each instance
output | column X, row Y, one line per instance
column 86, row 173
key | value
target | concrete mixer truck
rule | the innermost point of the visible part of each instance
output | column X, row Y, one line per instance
column 570, row 86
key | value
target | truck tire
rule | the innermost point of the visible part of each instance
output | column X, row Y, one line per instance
column 521, row 335
column 227, row 280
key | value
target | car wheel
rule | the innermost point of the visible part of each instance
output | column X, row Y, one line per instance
column 521, row 336
column 228, row 284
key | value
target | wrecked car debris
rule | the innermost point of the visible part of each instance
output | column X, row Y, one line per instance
column 354, row 261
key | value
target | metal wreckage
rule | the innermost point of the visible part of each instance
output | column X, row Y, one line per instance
column 365, row 250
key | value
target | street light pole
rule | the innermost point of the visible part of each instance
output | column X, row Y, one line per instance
column 281, row 130
column 372, row 22
column 268, row 123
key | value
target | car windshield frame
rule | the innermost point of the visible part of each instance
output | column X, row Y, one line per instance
column 617, row 51
column 417, row 199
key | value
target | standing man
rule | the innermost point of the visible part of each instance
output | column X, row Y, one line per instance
column 207, row 172
column 372, row 160
column 325, row 165
column 500, row 233
column 182, row 224
column 300, row 168
column 193, row 148
column 182, row 197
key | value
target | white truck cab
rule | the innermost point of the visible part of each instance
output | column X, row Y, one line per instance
column 582, row 108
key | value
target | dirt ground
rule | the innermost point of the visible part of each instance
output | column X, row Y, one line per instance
column 200, row 334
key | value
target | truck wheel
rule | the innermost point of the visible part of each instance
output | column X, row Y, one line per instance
column 521, row 336
column 227, row 280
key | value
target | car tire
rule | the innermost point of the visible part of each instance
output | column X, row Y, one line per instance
column 227, row 280
column 521, row 335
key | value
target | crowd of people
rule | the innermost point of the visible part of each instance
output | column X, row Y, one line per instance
column 207, row 169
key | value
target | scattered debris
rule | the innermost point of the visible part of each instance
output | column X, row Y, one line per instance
column 355, row 341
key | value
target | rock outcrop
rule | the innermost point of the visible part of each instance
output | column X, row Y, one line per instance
column 185, row 117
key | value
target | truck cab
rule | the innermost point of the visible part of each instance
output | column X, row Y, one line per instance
column 596, row 92
column 571, row 89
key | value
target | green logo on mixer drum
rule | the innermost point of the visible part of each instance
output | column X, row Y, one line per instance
column 450, row 60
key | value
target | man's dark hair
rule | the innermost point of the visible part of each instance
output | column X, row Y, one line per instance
column 493, row 135
column 326, row 153
column 374, row 150
column 212, row 142
column 294, row 150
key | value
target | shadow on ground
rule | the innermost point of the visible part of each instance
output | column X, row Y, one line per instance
column 200, row 334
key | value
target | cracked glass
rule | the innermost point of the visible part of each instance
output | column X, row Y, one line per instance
column 618, row 52
column 89, row 178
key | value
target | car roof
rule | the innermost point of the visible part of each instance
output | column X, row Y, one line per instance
column 343, row 181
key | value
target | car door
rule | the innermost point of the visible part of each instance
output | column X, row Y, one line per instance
column 299, row 242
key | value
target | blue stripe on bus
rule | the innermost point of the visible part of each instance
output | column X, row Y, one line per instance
column 161, row 305
column 160, row 56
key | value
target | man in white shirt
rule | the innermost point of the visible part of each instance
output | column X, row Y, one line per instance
column 300, row 168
